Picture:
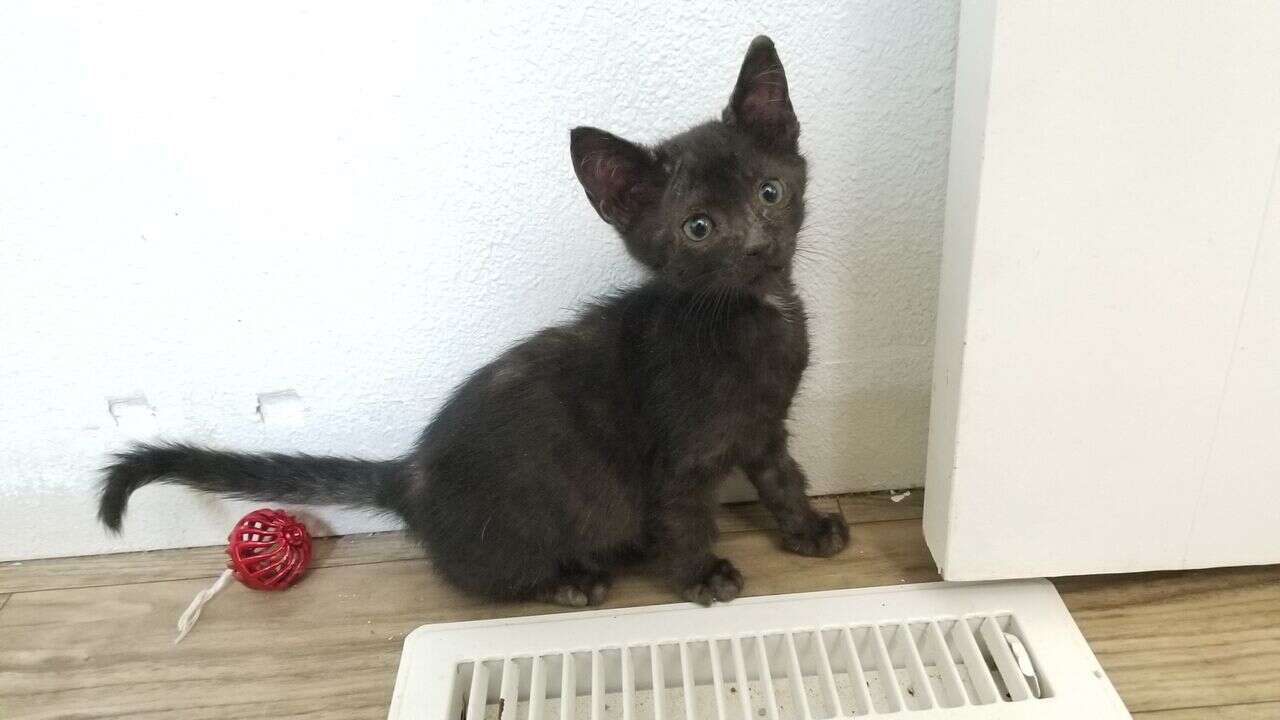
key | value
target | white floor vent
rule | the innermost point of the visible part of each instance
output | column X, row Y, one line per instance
column 983, row 650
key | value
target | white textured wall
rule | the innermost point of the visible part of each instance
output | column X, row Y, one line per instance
column 206, row 202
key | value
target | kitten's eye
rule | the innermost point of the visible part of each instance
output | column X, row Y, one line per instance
column 771, row 192
column 698, row 227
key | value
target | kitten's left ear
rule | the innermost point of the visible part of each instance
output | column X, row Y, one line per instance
column 761, row 104
column 620, row 177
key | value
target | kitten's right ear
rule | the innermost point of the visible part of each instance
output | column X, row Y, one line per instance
column 620, row 177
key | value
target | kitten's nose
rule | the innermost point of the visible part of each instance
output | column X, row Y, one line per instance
column 756, row 243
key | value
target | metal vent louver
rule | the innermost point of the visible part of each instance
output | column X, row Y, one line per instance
column 989, row 650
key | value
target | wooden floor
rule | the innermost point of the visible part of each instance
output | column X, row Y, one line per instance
column 93, row 637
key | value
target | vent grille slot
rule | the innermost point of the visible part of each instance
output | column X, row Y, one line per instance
column 803, row 674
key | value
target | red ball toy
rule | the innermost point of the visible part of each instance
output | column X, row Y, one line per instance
column 268, row 550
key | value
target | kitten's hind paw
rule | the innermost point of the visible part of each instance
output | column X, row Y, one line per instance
column 822, row 536
column 721, row 583
column 577, row 590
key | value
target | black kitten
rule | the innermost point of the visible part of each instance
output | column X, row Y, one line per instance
column 602, row 441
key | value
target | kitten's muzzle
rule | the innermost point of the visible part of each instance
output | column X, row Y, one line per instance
column 756, row 242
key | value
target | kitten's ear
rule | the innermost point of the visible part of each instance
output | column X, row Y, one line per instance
column 761, row 104
column 620, row 177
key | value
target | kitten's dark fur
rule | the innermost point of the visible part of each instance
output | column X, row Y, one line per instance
column 602, row 441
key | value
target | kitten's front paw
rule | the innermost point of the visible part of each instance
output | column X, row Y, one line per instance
column 721, row 583
column 822, row 536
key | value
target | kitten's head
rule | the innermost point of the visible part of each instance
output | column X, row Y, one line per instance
column 716, row 206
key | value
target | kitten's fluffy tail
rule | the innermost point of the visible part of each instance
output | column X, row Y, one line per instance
column 272, row 477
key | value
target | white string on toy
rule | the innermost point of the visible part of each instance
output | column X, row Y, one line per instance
column 192, row 613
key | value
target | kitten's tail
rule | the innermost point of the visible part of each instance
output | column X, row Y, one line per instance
column 273, row 477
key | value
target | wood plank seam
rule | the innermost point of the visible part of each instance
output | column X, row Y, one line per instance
column 1259, row 703
column 211, row 576
column 1261, row 710
column 877, row 520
